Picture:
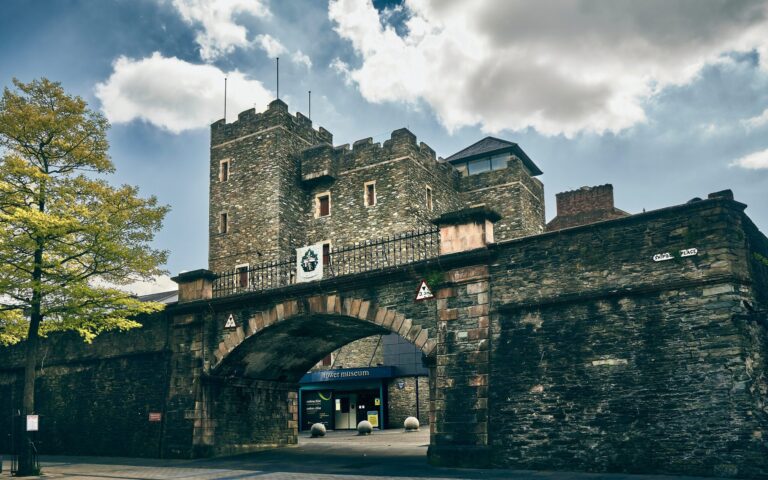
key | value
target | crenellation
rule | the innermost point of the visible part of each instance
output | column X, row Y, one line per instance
column 281, row 169
column 249, row 122
column 363, row 143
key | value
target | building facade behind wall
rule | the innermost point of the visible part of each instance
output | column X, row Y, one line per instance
column 277, row 184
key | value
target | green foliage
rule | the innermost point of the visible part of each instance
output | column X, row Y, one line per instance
column 760, row 258
column 434, row 278
column 67, row 237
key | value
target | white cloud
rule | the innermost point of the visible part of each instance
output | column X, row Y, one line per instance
column 174, row 94
column 159, row 284
column 753, row 161
column 271, row 45
column 756, row 122
column 561, row 67
column 300, row 58
column 220, row 33
column 340, row 67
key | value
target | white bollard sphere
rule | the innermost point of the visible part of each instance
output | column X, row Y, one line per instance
column 411, row 424
column 364, row 428
column 317, row 430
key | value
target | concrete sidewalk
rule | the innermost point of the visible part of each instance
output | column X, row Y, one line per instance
column 391, row 454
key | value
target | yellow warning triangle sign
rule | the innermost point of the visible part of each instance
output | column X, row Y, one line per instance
column 230, row 322
column 424, row 292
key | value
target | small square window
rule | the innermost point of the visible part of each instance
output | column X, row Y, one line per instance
column 328, row 360
column 429, row 198
column 223, row 222
column 224, row 170
column 370, row 194
column 323, row 202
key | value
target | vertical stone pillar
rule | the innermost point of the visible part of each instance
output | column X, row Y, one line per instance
column 459, row 431
column 188, row 429
column 195, row 285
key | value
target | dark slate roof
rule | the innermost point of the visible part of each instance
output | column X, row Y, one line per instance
column 492, row 145
column 163, row 297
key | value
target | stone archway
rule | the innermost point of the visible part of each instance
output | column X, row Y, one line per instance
column 247, row 397
column 357, row 308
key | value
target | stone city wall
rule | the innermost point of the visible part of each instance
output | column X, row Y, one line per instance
column 606, row 360
column 93, row 399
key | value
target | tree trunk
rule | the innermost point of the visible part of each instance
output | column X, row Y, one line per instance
column 26, row 458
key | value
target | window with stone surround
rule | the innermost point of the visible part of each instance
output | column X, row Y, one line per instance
column 326, row 254
column 429, row 198
column 369, row 194
column 242, row 275
column 322, row 204
column 328, row 360
column 224, row 170
column 223, row 222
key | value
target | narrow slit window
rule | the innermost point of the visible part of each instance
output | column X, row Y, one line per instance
column 223, row 222
column 326, row 254
column 370, row 194
column 324, row 205
column 429, row 199
column 224, row 171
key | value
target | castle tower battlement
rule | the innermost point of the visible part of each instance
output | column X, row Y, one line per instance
column 249, row 122
column 278, row 184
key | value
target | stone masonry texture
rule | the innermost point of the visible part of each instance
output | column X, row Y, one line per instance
column 279, row 164
column 634, row 344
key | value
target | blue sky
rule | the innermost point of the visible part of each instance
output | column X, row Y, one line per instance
column 665, row 100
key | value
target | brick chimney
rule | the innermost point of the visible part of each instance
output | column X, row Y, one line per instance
column 583, row 206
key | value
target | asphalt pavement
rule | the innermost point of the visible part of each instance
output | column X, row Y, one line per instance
column 391, row 454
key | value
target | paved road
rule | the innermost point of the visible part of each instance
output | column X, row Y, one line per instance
column 341, row 455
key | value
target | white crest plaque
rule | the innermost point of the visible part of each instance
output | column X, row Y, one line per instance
column 309, row 263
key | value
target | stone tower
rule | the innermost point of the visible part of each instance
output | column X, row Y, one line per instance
column 256, row 203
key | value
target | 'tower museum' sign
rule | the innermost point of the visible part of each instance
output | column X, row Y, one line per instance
column 662, row 257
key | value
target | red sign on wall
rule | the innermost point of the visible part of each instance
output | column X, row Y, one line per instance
column 155, row 416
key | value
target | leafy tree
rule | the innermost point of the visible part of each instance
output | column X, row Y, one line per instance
column 67, row 237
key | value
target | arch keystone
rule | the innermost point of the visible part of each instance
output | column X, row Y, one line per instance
column 317, row 304
column 365, row 306
column 388, row 319
column 381, row 314
column 354, row 309
column 405, row 327
column 421, row 339
column 333, row 304
column 255, row 323
column 231, row 341
column 398, row 322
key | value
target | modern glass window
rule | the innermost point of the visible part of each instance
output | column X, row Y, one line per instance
column 223, row 222
column 370, row 194
column 323, row 205
column 482, row 165
column 479, row 166
column 499, row 162
column 224, row 170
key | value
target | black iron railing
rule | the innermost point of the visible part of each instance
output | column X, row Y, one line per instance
column 391, row 251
